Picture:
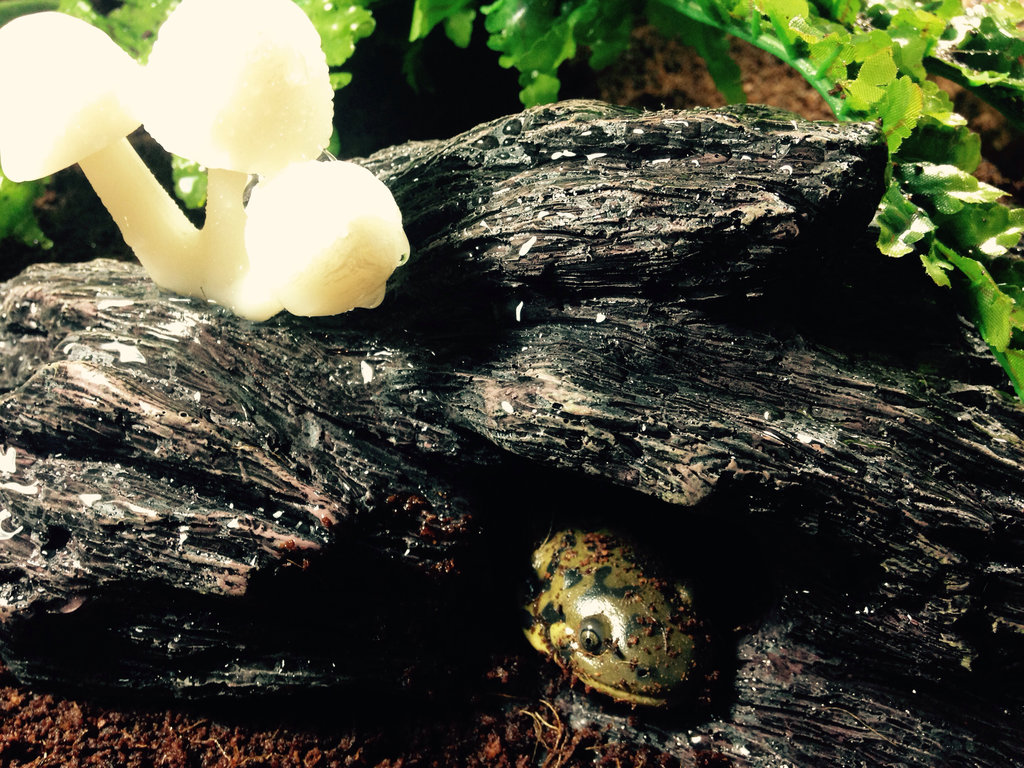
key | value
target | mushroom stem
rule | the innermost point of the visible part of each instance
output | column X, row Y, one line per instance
column 227, row 278
column 223, row 233
column 153, row 226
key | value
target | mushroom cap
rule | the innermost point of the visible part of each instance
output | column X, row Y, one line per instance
column 325, row 236
column 239, row 84
column 65, row 93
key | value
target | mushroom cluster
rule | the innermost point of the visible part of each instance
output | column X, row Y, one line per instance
column 314, row 238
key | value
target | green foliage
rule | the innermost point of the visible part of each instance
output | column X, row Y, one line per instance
column 457, row 16
column 132, row 25
column 17, row 219
column 341, row 25
column 538, row 36
column 189, row 180
column 12, row 9
column 17, row 215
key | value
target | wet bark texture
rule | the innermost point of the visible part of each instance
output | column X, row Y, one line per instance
column 671, row 322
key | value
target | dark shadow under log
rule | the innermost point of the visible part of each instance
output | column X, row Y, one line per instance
column 675, row 323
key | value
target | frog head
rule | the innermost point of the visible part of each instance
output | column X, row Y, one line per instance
column 610, row 621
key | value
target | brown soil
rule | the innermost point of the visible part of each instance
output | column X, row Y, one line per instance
column 39, row 730
column 656, row 72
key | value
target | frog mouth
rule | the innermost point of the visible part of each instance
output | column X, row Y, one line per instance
column 537, row 637
column 619, row 694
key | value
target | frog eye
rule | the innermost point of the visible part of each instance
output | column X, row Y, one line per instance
column 594, row 634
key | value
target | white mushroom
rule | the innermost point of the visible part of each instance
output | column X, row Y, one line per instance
column 242, row 87
column 324, row 237
column 63, row 107
column 74, row 105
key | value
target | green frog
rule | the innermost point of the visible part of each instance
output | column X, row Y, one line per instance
column 611, row 621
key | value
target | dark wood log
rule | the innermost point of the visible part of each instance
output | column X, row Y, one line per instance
column 673, row 322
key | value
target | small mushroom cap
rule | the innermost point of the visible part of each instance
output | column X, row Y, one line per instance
column 65, row 93
column 326, row 236
column 239, row 84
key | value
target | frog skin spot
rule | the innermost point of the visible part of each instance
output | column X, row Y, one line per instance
column 619, row 629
